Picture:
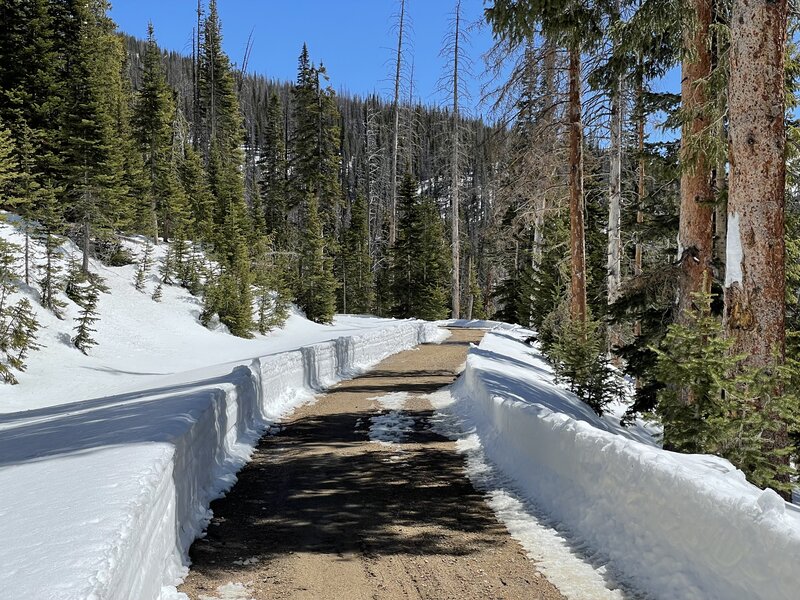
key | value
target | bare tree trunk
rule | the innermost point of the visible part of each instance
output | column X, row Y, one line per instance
column 755, row 274
column 549, row 118
column 87, row 231
column 396, row 129
column 577, row 241
column 642, row 190
column 720, row 210
column 455, row 289
column 695, row 231
column 614, row 265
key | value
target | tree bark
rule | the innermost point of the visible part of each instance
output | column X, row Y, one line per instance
column 755, row 269
column 396, row 130
column 576, row 221
column 695, row 231
column 642, row 190
column 455, row 290
column 614, row 264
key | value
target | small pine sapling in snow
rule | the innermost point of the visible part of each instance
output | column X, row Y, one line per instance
column 144, row 268
column 579, row 358
column 158, row 292
column 73, row 285
column 83, row 339
column 50, row 279
column 167, row 268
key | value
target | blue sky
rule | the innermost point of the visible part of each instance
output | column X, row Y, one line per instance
column 353, row 38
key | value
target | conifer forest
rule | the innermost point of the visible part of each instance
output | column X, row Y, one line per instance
column 647, row 240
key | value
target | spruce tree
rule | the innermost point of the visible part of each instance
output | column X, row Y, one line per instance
column 271, row 293
column 51, row 227
column 357, row 291
column 9, row 167
column 87, row 317
column 153, row 119
column 317, row 286
column 18, row 325
column 93, row 162
column 222, row 138
column 272, row 169
column 420, row 265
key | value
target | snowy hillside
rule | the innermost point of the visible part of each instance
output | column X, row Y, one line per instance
column 109, row 461
column 663, row 524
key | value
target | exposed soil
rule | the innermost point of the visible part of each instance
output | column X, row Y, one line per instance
column 323, row 512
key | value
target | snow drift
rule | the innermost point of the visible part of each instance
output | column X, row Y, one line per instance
column 121, row 485
column 669, row 525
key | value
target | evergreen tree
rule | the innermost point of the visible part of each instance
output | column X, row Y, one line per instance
column 272, row 168
column 92, row 157
column 317, row 286
column 8, row 167
column 154, row 115
column 18, row 325
column 87, row 317
column 420, row 265
column 735, row 412
column 51, row 226
column 143, row 269
column 196, row 189
column 272, row 295
column 357, row 291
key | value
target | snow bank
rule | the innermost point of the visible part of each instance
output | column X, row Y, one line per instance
column 101, row 499
column 669, row 525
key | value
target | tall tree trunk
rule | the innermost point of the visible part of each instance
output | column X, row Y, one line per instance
column 577, row 241
column 614, row 265
column 642, row 190
column 695, row 232
column 755, row 274
column 455, row 289
column 548, row 132
column 396, row 129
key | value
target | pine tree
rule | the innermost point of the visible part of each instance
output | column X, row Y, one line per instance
column 272, row 169
column 92, row 156
column 196, row 189
column 140, row 279
column 317, row 297
column 154, row 115
column 9, row 167
column 87, row 317
column 271, row 292
column 18, row 325
column 157, row 293
column 51, row 226
column 420, row 265
column 357, row 291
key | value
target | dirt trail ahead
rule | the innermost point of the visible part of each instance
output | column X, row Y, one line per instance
column 356, row 498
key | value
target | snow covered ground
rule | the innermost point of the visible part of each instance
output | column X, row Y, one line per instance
column 108, row 462
column 604, row 510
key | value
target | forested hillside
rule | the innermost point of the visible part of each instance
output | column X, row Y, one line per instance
column 567, row 211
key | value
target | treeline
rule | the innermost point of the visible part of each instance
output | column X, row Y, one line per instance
column 264, row 192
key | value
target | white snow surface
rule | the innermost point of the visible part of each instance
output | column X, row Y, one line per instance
column 108, row 463
column 647, row 522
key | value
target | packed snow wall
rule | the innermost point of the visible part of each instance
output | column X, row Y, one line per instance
column 676, row 526
column 137, row 471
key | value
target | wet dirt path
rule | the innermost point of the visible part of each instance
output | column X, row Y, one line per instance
column 356, row 498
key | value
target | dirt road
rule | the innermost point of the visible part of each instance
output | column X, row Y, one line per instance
column 356, row 498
